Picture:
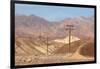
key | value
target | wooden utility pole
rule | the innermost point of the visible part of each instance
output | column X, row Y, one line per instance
column 69, row 28
column 40, row 35
column 47, row 44
column 46, row 41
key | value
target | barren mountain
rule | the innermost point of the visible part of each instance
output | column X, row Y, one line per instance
column 37, row 38
column 34, row 26
column 83, row 26
column 30, row 25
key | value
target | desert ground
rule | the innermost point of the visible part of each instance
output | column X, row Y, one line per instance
column 38, row 41
column 30, row 51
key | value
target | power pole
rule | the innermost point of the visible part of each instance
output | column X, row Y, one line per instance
column 69, row 28
column 40, row 35
column 46, row 41
column 47, row 44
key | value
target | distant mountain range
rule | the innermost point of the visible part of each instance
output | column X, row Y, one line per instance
column 34, row 26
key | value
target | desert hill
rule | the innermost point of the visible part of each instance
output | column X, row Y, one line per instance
column 39, row 41
column 34, row 26
column 66, row 39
